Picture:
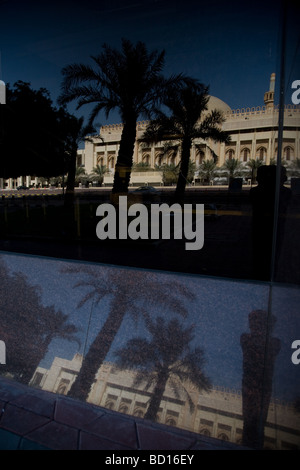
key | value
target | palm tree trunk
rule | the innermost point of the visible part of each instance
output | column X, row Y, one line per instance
column 98, row 350
column 184, row 168
column 69, row 219
column 71, row 178
column 125, row 157
column 157, row 396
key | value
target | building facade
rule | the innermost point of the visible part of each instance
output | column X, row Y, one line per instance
column 217, row 413
column 253, row 132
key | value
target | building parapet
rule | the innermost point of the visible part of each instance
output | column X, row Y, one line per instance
column 232, row 114
column 259, row 111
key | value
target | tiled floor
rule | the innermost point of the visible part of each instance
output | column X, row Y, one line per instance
column 32, row 419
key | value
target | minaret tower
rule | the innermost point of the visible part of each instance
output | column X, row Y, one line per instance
column 2, row 87
column 269, row 95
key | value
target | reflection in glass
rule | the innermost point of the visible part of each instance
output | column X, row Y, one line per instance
column 194, row 318
column 130, row 294
column 259, row 354
column 167, row 357
column 262, row 198
column 27, row 327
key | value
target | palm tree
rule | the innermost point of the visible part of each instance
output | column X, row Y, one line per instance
column 186, row 123
column 254, row 164
column 233, row 167
column 130, row 81
column 98, row 173
column 80, row 173
column 295, row 166
column 208, row 169
column 41, row 323
column 129, row 294
column 75, row 131
column 166, row 358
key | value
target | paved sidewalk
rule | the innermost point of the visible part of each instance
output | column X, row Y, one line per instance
column 32, row 419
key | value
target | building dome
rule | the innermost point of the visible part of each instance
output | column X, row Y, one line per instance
column 219, row 105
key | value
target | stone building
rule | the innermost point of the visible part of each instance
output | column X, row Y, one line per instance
column 217, row 413
column 253, row 131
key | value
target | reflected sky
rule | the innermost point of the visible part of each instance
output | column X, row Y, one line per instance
column 219, row 314
column 231, row 46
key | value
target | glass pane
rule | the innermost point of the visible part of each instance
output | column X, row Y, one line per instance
column 192, row 352
column 209, row 289
column 287, row 248
column 222, row 174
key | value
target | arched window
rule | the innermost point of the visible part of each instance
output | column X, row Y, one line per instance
column 170, row 421
column 100, row 160
column 172, row 160
column 288, row 153
column 123, row 408
column 245, row 155
column 230, row 154
column 205, row 432
column 223, row 436
column 261, row 153
column 63, row 386
column 201, row 156
column 146, row 159
column 159, row 159
column 109, row 404
column 112, row 163
column 138, row 413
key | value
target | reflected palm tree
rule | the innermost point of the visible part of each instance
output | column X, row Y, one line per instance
column 130, row 81
column 233, row 167
column 207, row 170
column 129, row 291
column 98, row 173
column 27, row 326
column 186, row 123
column 166, row 358
column 260, row 350
column 76, row 132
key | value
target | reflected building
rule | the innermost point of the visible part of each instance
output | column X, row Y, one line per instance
column 217, row 413
column 253, row 132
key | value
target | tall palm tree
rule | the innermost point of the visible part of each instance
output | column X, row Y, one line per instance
column 98, row 173
column 254, row 164
column 233, row 167
column 295, row 166
column 165, row 358
column 129, row 293
column 186, row 123
column 208, row 169
column 75, row 132
column 80, row 173
column 130, row 81
column 41, row 323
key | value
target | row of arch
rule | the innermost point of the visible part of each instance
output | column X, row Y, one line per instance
column 160, row 158
column 138, row 411
column 261, row 153
column 169, row 420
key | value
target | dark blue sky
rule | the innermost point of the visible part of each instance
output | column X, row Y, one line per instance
column 231, row 46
